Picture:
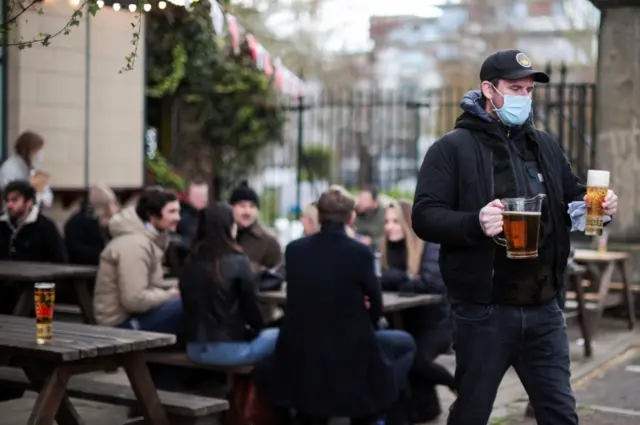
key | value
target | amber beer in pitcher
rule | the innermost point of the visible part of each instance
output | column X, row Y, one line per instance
column 521, row 226
column 44, row 296
column 597, row 188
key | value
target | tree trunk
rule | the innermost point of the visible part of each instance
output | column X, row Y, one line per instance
column 618, row 114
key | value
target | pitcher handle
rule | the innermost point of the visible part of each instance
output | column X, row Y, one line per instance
column 500, row 241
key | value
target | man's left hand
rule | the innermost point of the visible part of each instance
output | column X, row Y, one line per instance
column 610, row 203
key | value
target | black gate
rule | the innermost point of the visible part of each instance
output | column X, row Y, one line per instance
column 359, row 137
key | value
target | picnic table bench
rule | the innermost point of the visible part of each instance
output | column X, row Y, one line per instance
column 28, row 273
column 77, row 349
column 392, row 302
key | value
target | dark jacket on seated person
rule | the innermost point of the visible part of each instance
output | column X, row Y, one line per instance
column 84, row 238
column 220, row 312
column 36, row 238
column 328, row 361
column 396, row 278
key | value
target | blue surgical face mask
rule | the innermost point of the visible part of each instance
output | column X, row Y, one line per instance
column 515, row 110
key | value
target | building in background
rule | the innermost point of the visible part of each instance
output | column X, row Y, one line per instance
column 413, row 52
column 72, row 93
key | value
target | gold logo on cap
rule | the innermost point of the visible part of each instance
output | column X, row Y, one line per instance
column 523, row 60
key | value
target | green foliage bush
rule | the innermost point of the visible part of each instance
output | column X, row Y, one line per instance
column 228, row 110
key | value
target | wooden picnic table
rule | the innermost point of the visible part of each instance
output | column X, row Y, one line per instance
column 600, row 268
column 78, row 349
column 392, row 302
column 28, row 273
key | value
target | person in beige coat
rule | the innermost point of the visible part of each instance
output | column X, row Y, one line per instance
column 130, row 290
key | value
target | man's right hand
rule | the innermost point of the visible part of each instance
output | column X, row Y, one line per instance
column 491, row 218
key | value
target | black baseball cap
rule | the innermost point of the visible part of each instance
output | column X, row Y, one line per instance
column 510, row 65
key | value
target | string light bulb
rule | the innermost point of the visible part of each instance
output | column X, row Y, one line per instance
column 162, row 5
column 100, row 4
column 116, row 7
column 147, row 7
column 132, row 8
column 75, row 2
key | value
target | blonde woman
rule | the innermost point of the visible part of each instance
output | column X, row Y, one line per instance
column 411, row 266
column 86, row 232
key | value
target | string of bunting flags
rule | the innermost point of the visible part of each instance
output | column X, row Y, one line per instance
column 226, row 24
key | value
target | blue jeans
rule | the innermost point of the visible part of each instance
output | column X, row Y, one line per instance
column 234, row 353
column 167, row 318
column 533, row 339
column 400, row 348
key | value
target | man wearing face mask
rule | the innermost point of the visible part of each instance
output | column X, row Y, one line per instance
column 507, row 312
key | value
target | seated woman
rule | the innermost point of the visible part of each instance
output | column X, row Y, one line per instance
column 86, row 232
column 411, row 266
column 222, row 315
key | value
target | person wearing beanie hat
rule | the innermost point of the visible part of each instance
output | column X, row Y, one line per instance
column 86, row 233
column 258, row 242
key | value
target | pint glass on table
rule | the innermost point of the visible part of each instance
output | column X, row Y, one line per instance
column 521, row 224
column 44, row 299
column 597, row 188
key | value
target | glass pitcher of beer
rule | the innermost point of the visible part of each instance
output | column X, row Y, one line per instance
column 521, row 226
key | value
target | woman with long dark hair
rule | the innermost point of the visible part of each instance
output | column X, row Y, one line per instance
column 222, row 314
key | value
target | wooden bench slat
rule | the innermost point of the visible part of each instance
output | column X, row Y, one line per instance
column 572, row 304
column 619, row 286
column 176, row 404
column 180, row 358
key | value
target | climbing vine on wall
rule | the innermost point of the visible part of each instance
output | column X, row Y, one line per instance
column 223, row 110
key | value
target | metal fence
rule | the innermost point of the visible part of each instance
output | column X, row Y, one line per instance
column 380, row 137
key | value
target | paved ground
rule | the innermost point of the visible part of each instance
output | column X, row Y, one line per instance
column 612, row 386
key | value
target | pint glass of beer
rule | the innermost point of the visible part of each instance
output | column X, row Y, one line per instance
column 521, row 223
column 597, row 188
column 44, row 296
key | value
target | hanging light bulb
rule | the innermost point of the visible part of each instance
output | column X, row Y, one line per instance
column 100, row 4
column 132, row 8
column 162, row 5
column 116, row 6
column 147, row 7
column 75, row 2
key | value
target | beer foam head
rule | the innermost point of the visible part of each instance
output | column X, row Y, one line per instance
column 598, row 178
column 45, row 285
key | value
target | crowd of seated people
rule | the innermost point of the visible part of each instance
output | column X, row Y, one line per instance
column 327, row 357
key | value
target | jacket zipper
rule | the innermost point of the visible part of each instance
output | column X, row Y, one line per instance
column 517, row 172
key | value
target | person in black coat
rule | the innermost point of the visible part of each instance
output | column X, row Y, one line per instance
column 411, row 266
column 86, row 232
column 223, row 323
column 330, row 361
column 26, row 235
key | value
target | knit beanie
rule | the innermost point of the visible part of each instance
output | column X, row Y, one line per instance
column 243, row 192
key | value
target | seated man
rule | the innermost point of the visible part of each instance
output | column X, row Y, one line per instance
column 26, row 235
column 330, row 361
column 369, row 221
column 130, row 290
column 258, row 242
